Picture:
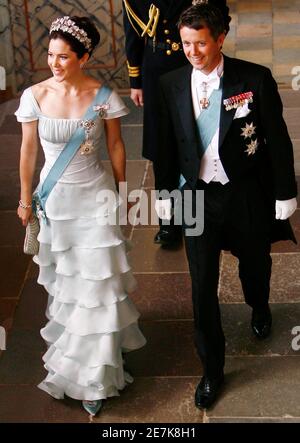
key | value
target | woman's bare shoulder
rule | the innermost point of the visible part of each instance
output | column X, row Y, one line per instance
column 92, row 83
column 40, row 89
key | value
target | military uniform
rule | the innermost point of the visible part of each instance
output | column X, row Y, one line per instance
column 153, row 48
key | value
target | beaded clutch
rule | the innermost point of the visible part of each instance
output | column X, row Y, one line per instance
column 31, row 243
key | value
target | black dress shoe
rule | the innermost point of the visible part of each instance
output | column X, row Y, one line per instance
column 168, row 236
column 261, row 322
column 207, row 391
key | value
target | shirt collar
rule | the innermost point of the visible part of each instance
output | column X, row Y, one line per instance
column 212, row 77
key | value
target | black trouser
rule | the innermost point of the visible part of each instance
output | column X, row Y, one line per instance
column 248, row 240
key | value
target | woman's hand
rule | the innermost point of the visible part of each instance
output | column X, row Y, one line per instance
column 25, row 215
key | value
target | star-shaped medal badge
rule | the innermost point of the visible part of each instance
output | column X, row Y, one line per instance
column 252, row 147
column 248, row 131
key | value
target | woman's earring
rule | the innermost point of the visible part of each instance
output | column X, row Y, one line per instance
column 82, row 65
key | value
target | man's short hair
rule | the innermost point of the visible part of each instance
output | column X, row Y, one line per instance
column 203, row 16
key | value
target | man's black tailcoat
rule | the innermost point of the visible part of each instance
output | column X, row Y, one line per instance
column 271, row 166
column 240, row 215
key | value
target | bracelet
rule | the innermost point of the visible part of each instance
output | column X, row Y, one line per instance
column 22, row 205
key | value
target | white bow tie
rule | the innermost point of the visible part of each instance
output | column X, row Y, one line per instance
column 211, row 82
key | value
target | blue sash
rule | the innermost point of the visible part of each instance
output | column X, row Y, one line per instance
column 42, row 193
column 208, row 123
column 209, row 120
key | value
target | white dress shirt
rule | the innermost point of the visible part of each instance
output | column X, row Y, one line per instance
column 211, row 168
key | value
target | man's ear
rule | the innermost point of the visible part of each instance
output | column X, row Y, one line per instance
column 221, row 39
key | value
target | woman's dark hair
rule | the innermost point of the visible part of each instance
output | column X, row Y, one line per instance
column 76, row 46
column 204, row 15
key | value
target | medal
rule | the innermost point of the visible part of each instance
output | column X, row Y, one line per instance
column 238, row 100
column 252, row 147
column 87, row 146
column 101, row 110
column 204, row 102
column 248, row 131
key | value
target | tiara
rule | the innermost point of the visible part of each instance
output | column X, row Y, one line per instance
column 198, row 2
column 65, row 24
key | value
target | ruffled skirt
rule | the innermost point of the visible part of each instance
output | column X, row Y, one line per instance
column 92, row 322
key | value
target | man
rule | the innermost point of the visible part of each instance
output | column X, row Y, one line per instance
column 153, row 48
column 222, row 130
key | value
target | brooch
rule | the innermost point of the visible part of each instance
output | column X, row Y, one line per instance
column 248, row 131
column 87, row 146
column 252, row 147
column 238, row 100
column 101, row 110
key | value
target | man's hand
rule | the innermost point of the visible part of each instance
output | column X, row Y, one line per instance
column 285, row 208
column 137, row 97
column 163, row 209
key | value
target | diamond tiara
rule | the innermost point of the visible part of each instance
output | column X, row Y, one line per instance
column 65, row 24
column 198, row 2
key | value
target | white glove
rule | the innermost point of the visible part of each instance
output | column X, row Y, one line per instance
column 163, row 209
column 285, row 208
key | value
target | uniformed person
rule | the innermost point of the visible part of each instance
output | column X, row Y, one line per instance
column 153, row 48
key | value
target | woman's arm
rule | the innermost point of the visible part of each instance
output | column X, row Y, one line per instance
column 29, row 149
column 116, row 149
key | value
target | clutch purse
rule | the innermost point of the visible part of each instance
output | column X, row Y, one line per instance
column 31, row 243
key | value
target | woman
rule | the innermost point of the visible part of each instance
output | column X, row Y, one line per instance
column 82, row 260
